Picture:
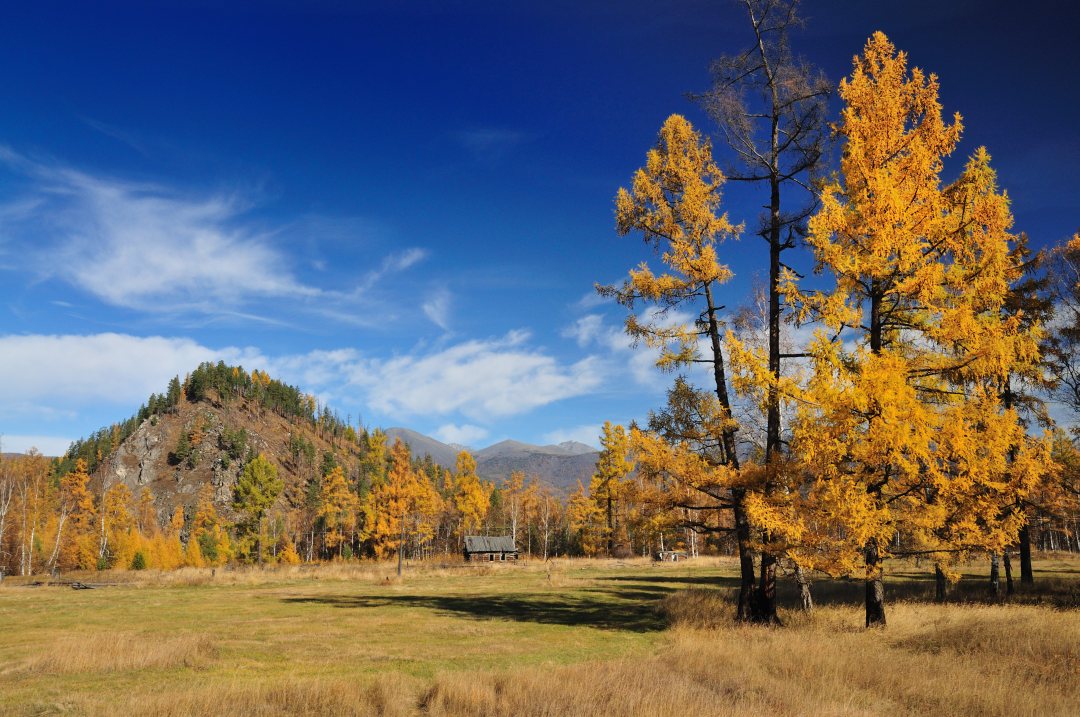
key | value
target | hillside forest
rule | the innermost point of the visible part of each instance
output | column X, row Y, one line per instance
column 887, row 402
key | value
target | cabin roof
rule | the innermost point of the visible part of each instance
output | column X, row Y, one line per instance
column 489, row 544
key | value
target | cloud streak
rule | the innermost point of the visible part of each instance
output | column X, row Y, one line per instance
column 437, row 309
column 154, row 249
column 479, row 379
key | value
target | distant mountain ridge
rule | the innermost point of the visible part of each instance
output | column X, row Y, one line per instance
column 561, row 466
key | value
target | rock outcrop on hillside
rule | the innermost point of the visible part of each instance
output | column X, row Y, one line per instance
column 150, row 458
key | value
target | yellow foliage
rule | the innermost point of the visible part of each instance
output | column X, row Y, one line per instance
column 208, row 532
column 338, row 508
column 75, row 528
column 404, row 505
column 472, row 497
column 674, row 202
column 289, row 556
column 903, row 428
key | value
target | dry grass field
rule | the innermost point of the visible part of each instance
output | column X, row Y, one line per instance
column 565, row 638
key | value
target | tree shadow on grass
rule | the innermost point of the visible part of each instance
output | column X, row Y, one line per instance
column 715, row 581
column 907, row 586
column 629, row 610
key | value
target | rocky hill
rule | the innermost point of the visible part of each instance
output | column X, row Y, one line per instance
column 203, row 430
column 177, row 452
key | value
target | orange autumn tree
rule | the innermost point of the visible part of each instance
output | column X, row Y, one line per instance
column 900, row 427
column 338, row 507
column 613, row 467
column 76, row 540
column 472, row 497
column 403, row 505
column 674, row 202
column 122, row 539
column 585, row 521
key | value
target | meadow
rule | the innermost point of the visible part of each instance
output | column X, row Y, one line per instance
column 569, row 637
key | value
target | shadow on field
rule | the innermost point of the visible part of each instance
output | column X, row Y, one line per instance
column 632, row 602
column 605, row 613
column 631, row 610
column 1057, row 588
column 715, row 581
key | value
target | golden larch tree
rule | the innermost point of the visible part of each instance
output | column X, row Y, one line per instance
column 901, row 429
column 613, row 467
column 338, row 509
column 674, row 202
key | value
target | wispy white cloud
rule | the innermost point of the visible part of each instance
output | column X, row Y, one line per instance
column 437, row 308
column 591, row 300
column 480, row 379
column 464, row 435
column 593, row 331
column 392, row 264
column 587, row 330
column 131, row 139
column 152, row 248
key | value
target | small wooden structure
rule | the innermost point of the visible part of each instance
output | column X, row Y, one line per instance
column 670, row 556
column 490, row 548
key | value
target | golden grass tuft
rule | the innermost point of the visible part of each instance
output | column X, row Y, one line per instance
column 390, row 695
column 699, row 608
column 121, row 651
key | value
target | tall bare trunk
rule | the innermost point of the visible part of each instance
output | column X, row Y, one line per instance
column 745, row 608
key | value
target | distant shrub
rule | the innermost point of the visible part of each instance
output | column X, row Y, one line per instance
column 233, row 442
column 183, row 452
column 208, row 547
column 139, row 561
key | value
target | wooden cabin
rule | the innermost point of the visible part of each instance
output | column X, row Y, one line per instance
column 490, row 548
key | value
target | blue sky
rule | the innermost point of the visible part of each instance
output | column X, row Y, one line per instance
column 402, row 207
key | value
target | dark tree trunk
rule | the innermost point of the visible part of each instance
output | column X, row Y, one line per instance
column 1027, row 577
column 745, row 611
column 765, row 598
column 940, row 584
column 1009, row 587
column 995, row 574
column 875, row 586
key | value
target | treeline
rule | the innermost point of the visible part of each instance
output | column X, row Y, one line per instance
column 50, row 523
